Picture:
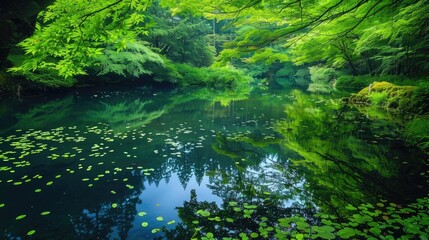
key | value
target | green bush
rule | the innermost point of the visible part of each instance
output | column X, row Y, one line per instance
column 187, row 75
column 359, row 82
column 322, row 74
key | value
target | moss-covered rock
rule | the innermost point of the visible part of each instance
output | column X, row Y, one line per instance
column 409, row 99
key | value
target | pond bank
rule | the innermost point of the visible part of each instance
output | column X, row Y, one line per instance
column 409, row 101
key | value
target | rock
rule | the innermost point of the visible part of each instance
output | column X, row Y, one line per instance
column 409, row 99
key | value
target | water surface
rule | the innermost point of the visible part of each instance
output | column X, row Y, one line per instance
column 139, row 163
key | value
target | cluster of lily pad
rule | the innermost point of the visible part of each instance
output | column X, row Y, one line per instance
column 366, row 221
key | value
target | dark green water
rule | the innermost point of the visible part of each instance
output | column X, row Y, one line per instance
column 98, row 165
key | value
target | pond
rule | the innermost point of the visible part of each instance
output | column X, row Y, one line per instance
column 140, row 163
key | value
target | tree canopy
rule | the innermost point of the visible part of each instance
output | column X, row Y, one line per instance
column 355, row 37
column 367, row 37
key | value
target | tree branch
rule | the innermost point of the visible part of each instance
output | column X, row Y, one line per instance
column 86, row 16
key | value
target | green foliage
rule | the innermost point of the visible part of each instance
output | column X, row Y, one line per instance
column 354, row 82
column 228, row 76
column 43, row 76
column 417, row 132
column 366, row 221
column 132, row 61
column 359, row 82
column 364, row 37
column 322, row 74
column 182, row 39
column 285, row 76
column 68, row 37
column 302, row 77
column 212, row 77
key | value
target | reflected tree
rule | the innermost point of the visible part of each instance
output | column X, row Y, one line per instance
column 342, row 157
column 232, row 219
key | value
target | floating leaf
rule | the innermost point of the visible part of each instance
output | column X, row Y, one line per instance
column 350, row 207
column 45, row 213
column 114, row 205
column 302, row 225
column 159, row 218
column 254, row 235
column 250, row 206
column 145, row 224
column 38, row 190
column 155, row 230
column 171, row 222
column 203, row 213
column 49, row 183
column 31, row 232
column 2, row 205
column 20, row 217
column 141, row 214
column 299, row 236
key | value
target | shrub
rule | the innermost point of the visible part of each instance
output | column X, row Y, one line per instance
column 359, row 82
column 322, row 74
column 214, row 77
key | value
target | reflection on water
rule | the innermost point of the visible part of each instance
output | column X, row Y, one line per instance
column 139, row 164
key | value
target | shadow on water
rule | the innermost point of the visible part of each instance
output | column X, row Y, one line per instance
column 140, row 163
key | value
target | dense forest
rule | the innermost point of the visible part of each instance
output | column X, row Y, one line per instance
column 365, row 61
column 286, row 42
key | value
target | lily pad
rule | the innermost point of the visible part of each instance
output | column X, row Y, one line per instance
column 31, row 232
column 171, row 222
column 145, row 224
column 45, row 213
column 21, row 217
column 114, row 205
